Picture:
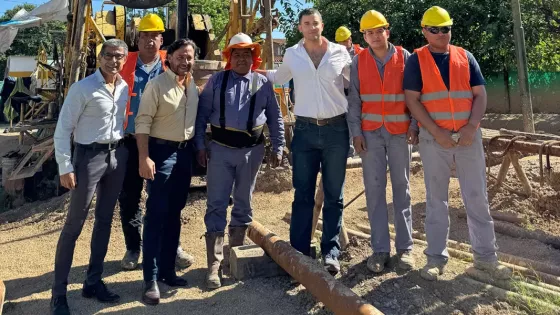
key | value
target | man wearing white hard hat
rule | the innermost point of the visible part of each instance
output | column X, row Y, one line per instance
column 237, row 102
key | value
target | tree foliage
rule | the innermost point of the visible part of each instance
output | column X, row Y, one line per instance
column 483, row 27
column 29, row 40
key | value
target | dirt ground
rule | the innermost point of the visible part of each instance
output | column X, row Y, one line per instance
column 28, row 237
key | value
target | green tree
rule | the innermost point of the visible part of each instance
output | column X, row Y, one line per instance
column 483, row 27
column 29, row 40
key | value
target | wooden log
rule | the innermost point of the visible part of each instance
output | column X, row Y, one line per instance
column 512, row 297
column 516, row 285
column 535, row 136
column 523, row 146
column 503, row 170
column 515, row 231
column 456, row 249
column 514, row 157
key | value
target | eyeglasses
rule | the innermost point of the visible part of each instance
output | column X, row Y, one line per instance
column 110, row 57
column 436, row 30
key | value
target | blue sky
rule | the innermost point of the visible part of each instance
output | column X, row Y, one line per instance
column 8, row 4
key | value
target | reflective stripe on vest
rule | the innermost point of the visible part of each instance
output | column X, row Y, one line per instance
column 383, row 102
column 450, row 109
column 128, row 73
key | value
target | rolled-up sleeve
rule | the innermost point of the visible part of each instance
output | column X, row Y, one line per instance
column 283, row 74
column 147, row 109
column 274, row 120
column 73, row 106
column 354, row 101
column 205, row 104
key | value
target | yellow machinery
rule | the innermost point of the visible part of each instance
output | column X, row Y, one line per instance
column 86, row 31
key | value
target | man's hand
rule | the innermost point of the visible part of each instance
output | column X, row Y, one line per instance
column 443, row 138
column 202, row 157
column 147, row 168
column 467, row 133
column 359, row 144
column 275, row 160
column 68, row 180
column 412, row 136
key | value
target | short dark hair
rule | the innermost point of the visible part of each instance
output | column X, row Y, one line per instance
column 309, row 11
column 178, row 44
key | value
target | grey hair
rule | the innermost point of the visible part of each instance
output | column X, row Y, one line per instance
column 114, row 43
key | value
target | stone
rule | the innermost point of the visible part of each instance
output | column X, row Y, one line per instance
column 250, row 261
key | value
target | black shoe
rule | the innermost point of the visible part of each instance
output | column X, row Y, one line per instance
column 174, row 281
column 59, row 306
column 150, row 295
column 100, row 291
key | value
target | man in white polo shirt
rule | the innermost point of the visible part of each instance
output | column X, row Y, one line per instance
column 321, row 138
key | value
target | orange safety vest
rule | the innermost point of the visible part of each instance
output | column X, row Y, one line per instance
column 450, row 109
column 127, row 74
column 383, row 100
column 358, row 49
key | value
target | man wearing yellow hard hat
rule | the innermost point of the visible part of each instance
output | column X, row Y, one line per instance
column 237, row 102
column 383, row 133
column 445, row 91
column 140, row 67
column 343, row 36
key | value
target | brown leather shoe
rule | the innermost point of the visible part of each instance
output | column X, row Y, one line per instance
column 151, row 293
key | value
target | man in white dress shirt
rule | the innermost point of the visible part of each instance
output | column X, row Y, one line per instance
column 321, row 138
column 93, row 112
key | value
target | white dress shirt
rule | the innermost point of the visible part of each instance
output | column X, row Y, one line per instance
column 319, row 92
column 92, row 113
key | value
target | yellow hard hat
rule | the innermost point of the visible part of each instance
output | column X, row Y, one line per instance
column 436, row 16
column 342, row 34
column 372, row 19
column 151, row 23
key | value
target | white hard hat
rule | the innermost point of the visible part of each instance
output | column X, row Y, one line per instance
column 240, row 38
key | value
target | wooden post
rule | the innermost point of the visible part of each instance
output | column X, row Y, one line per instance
column 269, row 48
column 520, row 173
column 78, row 43
column 319, row 198
column 503, row 170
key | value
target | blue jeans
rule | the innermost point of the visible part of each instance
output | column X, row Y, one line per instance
column 314, row 148
column 167, row 196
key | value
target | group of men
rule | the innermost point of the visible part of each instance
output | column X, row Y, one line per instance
column 142, row 117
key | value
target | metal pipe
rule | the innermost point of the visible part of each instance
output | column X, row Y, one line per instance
column 337, row 297
column 182, row 30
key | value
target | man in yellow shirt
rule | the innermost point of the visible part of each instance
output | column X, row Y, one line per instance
column 164, row 129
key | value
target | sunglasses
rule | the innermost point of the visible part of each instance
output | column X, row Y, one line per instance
column 436, row 30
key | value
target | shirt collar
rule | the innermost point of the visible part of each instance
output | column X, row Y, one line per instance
column 388, row 57
column 99, row 76
column 238, row 76
column 141, row 63
column 173, row 76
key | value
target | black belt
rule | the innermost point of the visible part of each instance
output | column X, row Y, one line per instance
column 96, row 146
column 175, row 144
column 322, row 122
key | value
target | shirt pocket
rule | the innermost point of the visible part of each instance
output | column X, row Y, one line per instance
column 170, row 102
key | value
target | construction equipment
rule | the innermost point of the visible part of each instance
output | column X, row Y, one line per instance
column 76, row 57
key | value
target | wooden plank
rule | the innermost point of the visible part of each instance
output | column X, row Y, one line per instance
column 534, row 136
